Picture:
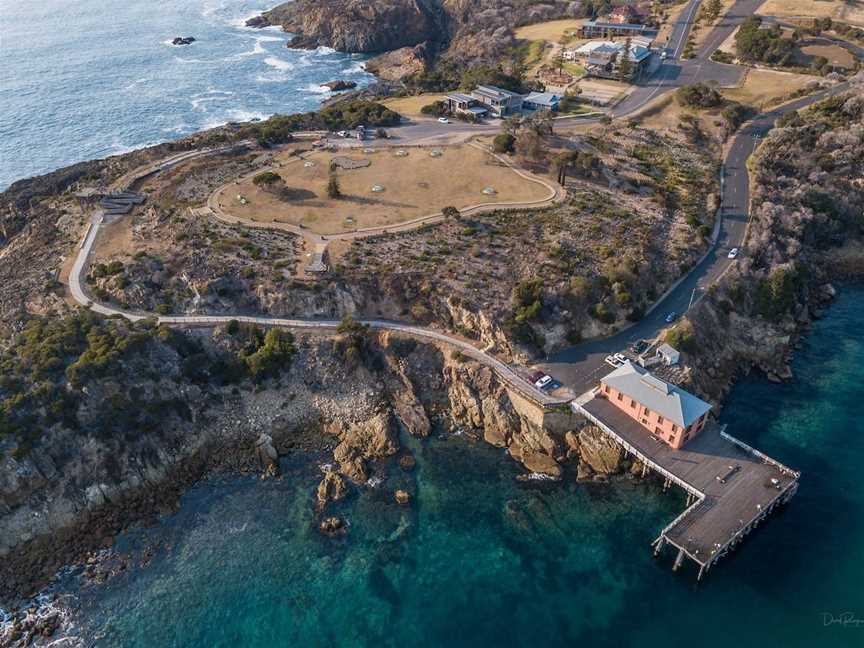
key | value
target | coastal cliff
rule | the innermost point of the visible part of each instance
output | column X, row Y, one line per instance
column 153, row 410
column 474, row 31
column 806, row 231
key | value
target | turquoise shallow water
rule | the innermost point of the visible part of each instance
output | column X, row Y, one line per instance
column 481, row 559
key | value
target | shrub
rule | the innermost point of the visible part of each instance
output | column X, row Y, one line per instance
column 451, row 213
column 334, row 191
column 698, row 95
column 267, row 179
column 436, row 109
column 601, row 312
column 272, row 356
column 504, row 143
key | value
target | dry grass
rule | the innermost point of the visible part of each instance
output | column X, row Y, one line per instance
column 835, row 54
column 551, row 31
column 414, row 186
column 410, row 106
column 762, row 88
column 850, row 11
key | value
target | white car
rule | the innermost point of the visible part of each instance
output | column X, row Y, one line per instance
column 443, row 120
column 343, row 133
column 543, row 382
column 620, row 357
column 671, row 317
column 612, row 360
column 732, row 253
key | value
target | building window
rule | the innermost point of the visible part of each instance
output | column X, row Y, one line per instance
column 660, row 419
column 674, row 428
column 606, row 388
column 658, row 431
column 620, row 396
column 632, row 403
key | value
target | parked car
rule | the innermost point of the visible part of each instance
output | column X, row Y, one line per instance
column 343, row 133
column 612, row 360
column 443, row 120
column 664, row 55
column 733, row 253
column 621, row 358
column 671, row 317
column 534, row 377
column 543, row 382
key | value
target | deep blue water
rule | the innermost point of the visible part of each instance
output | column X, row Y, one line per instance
column 82, row 79
column 483, row 560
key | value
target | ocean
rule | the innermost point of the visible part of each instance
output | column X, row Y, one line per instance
column 481, row 559
column 84, row 79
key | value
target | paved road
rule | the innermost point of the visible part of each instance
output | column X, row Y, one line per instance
column 580, row 366
column 577, row 367
column 77, row 279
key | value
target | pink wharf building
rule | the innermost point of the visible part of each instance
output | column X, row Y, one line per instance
column 669, row 413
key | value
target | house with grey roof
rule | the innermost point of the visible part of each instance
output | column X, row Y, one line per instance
column 541, row 101
column 669, row 413
column 458, row 102
column 500, row 102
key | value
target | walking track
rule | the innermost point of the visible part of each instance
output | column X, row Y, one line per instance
column 578, row 367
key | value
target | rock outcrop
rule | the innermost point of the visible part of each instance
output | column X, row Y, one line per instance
column 354, row 25
column 362, row 442
column 399, row 64
column 331, row 489
column 340, row 84
column 467, row 31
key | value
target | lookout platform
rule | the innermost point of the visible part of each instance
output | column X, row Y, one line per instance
column 732, row 486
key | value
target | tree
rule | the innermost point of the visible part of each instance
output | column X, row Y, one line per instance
column 333, row 190
column 451, row 213
column 268, row 181
column 503, row 143
column 625, row 65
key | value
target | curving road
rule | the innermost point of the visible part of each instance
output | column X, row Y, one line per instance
column 577, row 367
column 580, row 366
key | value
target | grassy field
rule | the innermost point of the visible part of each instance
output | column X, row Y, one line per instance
column 414, row 186
column 835, row 54
column 551, row 31
column 410, row 106
column 763, row 88
column 850, row 11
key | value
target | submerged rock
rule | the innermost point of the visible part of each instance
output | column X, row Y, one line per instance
column 333, row 526
column 402, row 497
column 183, row 40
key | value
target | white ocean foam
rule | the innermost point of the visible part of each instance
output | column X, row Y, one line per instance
column 540, row 477
column 315, row 88
column 258, row 47
column 247, row 115
column 279, row 64
column 180, row 59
